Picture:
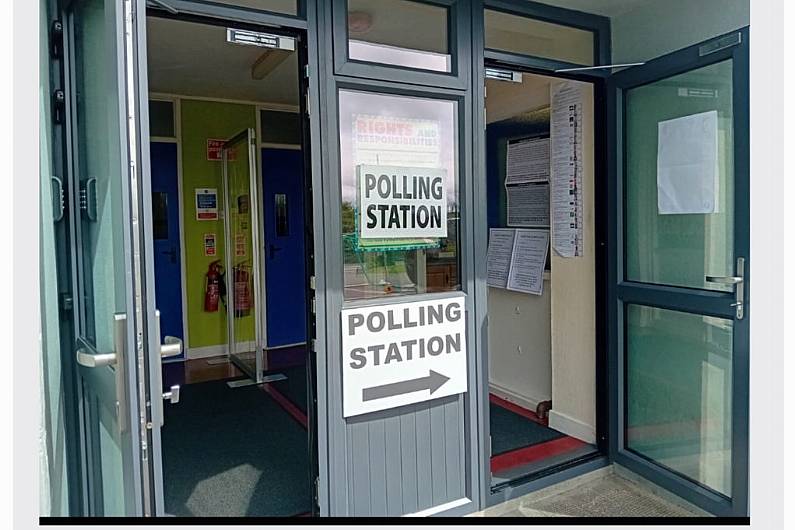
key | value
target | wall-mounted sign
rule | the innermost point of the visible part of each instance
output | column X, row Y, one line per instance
column 398, row 354
column 209, row 244
column 215, row 147
column 206, row 204
column 401, row 202
column 240, row 245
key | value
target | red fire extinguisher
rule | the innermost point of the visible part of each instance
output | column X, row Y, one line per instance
column 212, row 287
column 242, row 290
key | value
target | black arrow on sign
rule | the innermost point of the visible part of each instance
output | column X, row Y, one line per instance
column 432, row 382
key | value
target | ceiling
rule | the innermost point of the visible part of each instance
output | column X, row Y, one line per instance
column 607, row 8
column 190, row 59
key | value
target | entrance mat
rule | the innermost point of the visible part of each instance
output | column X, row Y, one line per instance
column 510, row 430
column 231, row 453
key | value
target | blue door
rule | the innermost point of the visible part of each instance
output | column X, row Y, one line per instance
column 285, row 277
column 165, row 224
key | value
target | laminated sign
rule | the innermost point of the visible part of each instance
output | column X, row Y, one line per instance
column 401, row 202
column 398, row 354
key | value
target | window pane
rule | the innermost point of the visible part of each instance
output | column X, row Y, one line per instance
column 160, row 214
column 408, row 146
column 161, row 118
column 280, row 127
column 526, row 36
column 378, row 33
column 679, row 373
column 288, row 7
column 680, row 179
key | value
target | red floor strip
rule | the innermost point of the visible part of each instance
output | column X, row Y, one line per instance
column 513, row 407
column 286, row 404
column 534, row 453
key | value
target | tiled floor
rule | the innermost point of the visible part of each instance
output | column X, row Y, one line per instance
column 608, row 492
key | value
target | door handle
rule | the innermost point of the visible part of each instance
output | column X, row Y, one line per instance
column 171, row 347
column 739, row 287
column 172, row 254
column 115, row 358
column 272, row 250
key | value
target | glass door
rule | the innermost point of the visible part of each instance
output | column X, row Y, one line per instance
column 241, row 222
column 681, row 298
column 110, row 296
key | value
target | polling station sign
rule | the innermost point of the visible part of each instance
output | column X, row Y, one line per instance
column 399, row 354
column 401, row 202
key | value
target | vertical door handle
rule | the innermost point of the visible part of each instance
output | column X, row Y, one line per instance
column 739, row 287
column 170, row 348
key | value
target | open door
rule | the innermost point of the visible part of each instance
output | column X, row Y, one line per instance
column 679, row 293
column 110, row 224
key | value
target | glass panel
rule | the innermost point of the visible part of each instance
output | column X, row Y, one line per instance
column 160, row 214
column 680, row 179
column 526, row 36
column 240, row 279
column 679, row 373
column 377, row 33
column 415, row 141
column 287, row 7
column 282, row 219
column 279, row 127
column 161, row 118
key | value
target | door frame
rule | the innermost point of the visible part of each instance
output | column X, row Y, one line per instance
column 622, row 292
column 600, row 26
column 307, row 48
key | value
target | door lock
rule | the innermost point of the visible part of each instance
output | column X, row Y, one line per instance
column 739, row 287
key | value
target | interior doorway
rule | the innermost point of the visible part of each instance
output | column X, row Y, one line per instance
column 230, row 202
column 543, row 338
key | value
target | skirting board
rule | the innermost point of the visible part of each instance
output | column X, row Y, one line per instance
column 526, row 402
column 574, row 428
column 215, row 351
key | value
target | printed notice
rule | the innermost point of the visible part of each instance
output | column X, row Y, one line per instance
column 687, row 164
column 206, row 204
column 527, row 161
column 566, row 169
column 528, row 204
column 499, row 256
column 527, row 264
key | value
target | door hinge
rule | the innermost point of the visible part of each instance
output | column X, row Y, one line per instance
column 308, row 110
column 58, row 205
column 306, row 71
column 312, row 282
column 56, row 39
column 66, row 301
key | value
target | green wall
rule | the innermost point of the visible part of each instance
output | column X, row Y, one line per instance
column 201, row 120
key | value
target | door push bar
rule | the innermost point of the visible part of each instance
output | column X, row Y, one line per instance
column 739, row 287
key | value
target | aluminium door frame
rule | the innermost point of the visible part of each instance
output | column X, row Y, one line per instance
column 622, row 292
column 304, row 27
column 600, row 26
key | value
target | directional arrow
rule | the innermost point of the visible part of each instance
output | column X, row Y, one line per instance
column 432, row 382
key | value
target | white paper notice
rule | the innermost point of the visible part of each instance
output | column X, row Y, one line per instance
column 499, row 256
column 528, row 204
column 529, row 258
column 527, row 161
column 566, row 169
column 687, row 164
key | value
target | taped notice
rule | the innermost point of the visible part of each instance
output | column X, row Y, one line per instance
column 566, row 169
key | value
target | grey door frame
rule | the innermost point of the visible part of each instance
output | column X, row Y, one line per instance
column 600, row 26
column 622, row 292
column 294, row 26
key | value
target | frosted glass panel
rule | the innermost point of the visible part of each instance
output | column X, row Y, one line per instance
column 679, row 373
column 679, row 248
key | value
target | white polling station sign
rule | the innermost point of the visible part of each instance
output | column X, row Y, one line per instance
column 398, row 354
column 401, row 202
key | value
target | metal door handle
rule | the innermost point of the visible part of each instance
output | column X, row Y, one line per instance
column 273, row 250
column 725, row 280
column 172, row 395
column 739, row 287
column 171, row 347
column 95, row 360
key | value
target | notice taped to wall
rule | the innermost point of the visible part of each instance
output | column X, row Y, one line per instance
column 566, row 169
column 206, row 204
column 527, row 160
column 399, row 354
column 516, row 259
column 528, row 204
column 209, row 244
